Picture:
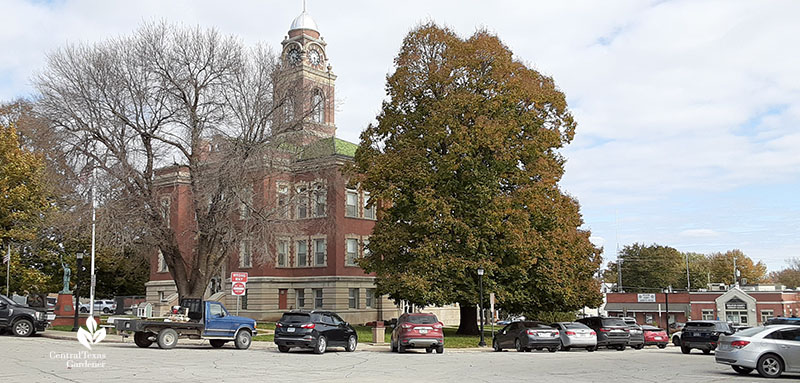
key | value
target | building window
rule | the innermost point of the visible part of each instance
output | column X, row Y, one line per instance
column 165, row 204
column 246, row 204
column 353, row 299
column 317, row 107
column 162, row 263
column 162, row 296
column 351, row 204
column 246, row 253
column 370, row 298
column 369, row 212
column 302, row 202
column 283, row 200
column 302, row 253
column 351, row 252
column 320, row 201
column 300, row 295
column 317, row 298
column 767, row 315
column 283, row 253
column 244, row 298
column 708, row 314
column 319, row 252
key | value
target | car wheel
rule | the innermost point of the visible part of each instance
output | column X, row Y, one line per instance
column 496, row 346
column 84, row 310
column 142, row 339
column 566, row 348
column 518, row 346
column 394, row 347
column 283, row 348
column 322, row 345
column 685, row 350
column 352, row 343
column 167, row 338
column 23, row 327
column 706, row 352
column 106, row 310
column 552, row 349
column 662, row 346
column 429, row 350
column 401, row 349
column 676, row 340
column 639, row 347
column 591, row 349
column 621, row 348
column 243, row 339
column 742, row 370
column 770, row 366
column 440, row 350
column 217, row 343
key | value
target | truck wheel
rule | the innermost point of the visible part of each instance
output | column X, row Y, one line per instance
column 322, row 345
column 243, row 339
column 23, row 327
column 167, row 338
column 685, row 349
column 352, row 343
column 283, row 348
column 217, row 343
column 142, row 339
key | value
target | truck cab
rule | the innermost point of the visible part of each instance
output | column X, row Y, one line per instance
column 193, row 319
column 21, row 320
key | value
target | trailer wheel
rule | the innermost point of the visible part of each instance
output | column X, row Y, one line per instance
column 167, row 338
column 142, row 339
column 243, row 339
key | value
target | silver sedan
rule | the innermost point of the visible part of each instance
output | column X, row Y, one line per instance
column 770, row 350
column 576, row 335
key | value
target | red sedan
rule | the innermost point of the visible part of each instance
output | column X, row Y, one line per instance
column 654, row 336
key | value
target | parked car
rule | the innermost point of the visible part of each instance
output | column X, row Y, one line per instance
column 576, row 335
column 771, row 350
column 526, row 336
column 316, row 330
column 676, row 338
column 511, row 318
column 782, row 320
column 104, row 306
column 20, row 319
column 636, row 340
column 418, row 330
column 703, row 335
column 654, row 336
column 203, row 320
column 611, row 332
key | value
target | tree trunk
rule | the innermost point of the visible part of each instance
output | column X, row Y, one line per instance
column 469, row 320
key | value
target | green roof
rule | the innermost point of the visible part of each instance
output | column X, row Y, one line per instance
column 328, row 147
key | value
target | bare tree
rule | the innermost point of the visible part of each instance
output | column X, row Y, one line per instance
column 174, row 105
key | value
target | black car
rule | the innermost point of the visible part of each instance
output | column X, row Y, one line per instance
column 21, row 320
column 611, row 332
column 316, row 330
column 637, row 334
column 703, row 335
column 524, row 336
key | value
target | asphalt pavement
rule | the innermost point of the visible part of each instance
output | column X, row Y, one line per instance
column 42, row 359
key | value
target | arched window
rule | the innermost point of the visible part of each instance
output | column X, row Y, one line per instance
column 317, row 107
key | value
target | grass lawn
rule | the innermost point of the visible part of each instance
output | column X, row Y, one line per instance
column 60, row 328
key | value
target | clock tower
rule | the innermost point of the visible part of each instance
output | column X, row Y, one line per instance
column 305, row 87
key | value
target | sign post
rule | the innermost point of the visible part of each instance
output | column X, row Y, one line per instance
column 238, row 286
column 491, row 310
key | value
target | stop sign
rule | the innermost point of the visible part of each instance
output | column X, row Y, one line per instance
column 238, row 288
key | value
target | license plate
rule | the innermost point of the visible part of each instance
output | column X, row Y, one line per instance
column 657, row 338
column 290, row 329
column 695, row 334
column 423, row 331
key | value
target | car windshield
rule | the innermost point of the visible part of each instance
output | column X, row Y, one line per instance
column 295, row 318
column 613, row 322
column 422, row 319
column 750, row 331
column 9, row 301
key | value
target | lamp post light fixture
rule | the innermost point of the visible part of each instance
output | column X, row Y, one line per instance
column 79, row 266
column 482, row 343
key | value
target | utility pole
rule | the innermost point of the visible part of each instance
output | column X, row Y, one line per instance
column 735, row 280
column 688, row 281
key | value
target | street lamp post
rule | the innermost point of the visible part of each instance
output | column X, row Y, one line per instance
column 482, row 343
column 79, row 259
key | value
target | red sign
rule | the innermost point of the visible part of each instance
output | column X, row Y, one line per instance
column 239, row 276
column 239, row 288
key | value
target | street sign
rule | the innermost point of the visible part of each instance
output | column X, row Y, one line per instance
column 238, row 288
column 239, row 276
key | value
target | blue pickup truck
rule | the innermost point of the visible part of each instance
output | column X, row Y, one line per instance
column 206, row 320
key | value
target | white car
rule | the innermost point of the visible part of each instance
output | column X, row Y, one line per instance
column 104, row 306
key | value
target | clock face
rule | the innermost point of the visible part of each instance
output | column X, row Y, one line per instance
column 294, row 56
column 314, row 57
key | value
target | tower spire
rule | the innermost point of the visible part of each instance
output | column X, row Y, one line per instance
column 304, row 5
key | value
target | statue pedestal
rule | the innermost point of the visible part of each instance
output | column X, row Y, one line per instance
column 65, row 312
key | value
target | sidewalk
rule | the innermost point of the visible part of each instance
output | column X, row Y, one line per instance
column 258, row 345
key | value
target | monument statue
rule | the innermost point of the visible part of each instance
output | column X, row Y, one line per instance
column 67, row 274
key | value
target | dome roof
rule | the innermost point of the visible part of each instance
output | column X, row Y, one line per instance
column 304, row 21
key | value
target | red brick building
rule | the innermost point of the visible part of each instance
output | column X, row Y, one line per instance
column 327, row 226
column 746, row 305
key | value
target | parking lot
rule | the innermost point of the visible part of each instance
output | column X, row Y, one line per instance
column 42, row 359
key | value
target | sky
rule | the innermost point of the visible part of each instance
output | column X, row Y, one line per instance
column 688, row 111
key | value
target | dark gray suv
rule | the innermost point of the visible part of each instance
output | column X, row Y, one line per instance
column 611, row 332
column 637, row 334
column 316, row 330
